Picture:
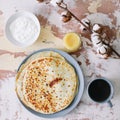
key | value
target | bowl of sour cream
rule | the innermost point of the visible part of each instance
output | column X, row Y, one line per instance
column 22, row 28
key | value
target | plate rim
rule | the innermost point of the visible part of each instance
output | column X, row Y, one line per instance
column 80, row 91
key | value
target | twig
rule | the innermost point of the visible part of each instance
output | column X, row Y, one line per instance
column 64, row 6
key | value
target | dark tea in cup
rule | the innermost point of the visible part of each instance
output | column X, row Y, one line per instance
column 100, row 90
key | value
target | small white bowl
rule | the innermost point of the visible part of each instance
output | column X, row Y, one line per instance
column 12, row 19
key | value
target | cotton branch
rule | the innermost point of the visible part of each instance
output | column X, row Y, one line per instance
column 64, row 7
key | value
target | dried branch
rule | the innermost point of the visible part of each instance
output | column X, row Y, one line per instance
column 64, row 6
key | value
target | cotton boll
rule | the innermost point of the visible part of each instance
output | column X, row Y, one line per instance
column 103, row 49
column 63, row 13
column 86, row 22
column 82, row 28
column 99, row 44
column 97, row 41
column 93, row 38
column 96, row 27
column 54, row 2
column 94, row 34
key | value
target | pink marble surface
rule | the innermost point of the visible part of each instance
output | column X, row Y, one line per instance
column 105, row 12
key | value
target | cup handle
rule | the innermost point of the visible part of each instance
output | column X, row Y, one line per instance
column 110, row 103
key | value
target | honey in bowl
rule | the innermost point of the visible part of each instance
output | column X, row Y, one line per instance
column 72, row 41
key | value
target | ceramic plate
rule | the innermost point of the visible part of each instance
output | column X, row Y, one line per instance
column 78, row 96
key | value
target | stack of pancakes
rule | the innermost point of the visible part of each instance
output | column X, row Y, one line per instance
column 46, row 82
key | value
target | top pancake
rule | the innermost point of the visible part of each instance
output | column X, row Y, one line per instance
column 46, row 84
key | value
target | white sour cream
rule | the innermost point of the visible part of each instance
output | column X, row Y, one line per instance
column 23, row 29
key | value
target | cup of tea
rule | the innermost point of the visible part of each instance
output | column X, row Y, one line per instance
column 100, row 90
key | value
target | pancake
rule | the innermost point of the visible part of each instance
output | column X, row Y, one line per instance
column 36, row 56
column 41, row 55
column 46, row 84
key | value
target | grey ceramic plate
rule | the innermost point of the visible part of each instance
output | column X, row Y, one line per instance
column 77, row 98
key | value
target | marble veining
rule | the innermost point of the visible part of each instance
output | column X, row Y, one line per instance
column 105, row 12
